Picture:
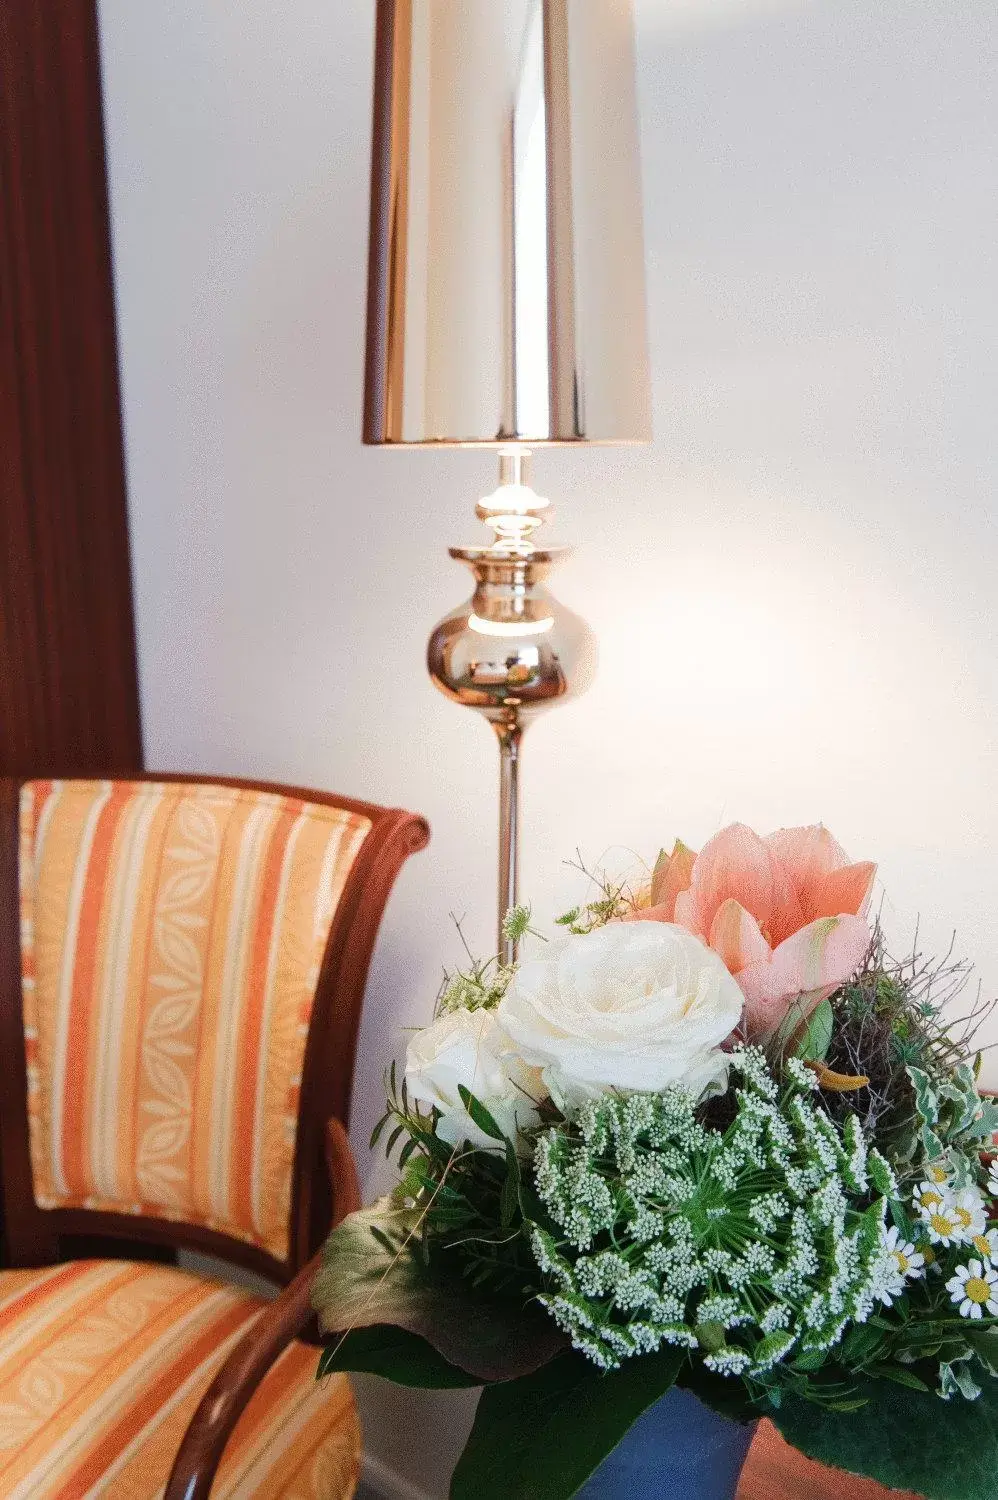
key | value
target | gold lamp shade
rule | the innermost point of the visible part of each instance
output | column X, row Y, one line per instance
column 506, row 298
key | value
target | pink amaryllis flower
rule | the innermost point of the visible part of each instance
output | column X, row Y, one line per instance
column 787, row 913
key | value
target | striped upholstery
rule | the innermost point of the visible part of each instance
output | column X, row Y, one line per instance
column 171, row 943
column 102, row 1364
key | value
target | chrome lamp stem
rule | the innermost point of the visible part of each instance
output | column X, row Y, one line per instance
column 510, row 736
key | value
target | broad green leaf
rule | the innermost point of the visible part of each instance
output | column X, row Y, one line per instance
column 817, row 1036
column 373, row 1272
column 906, row 1440
column 791, row 1034
column 395, row 1354
column 541, row 1437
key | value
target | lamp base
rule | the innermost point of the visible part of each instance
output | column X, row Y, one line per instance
column 511, row 650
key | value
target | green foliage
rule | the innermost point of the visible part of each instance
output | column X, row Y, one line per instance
column 516, row 925
column 395, row 1354
column 893, row 1022
column 802, row 1034
column 375, row 1272
column 479, row 1114
column 954, row 1120
column 615, row 899
column 484, row 982
column 541, row 1438
column 904, row 1439
column 817, row 1037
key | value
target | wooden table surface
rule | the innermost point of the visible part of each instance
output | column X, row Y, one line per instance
column 775, row 1471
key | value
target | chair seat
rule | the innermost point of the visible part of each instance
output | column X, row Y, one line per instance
column 102, row 1364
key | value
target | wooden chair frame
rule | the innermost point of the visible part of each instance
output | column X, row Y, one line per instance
column 324, row 1183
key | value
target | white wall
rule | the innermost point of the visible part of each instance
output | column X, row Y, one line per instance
column 793, row 587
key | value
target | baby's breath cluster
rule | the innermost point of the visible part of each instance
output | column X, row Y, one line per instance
column 755, row 1243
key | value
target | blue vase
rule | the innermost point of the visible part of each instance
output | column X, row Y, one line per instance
column 677, row 1450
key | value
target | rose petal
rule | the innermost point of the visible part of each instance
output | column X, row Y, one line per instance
column 802, row 971
column 672, row 874
column 787, row 915
column 808, row 854
column 735, row 935
column 825, row 952
column 846, row 890
column 735, row 863
column 685, row 914
column 661, row 913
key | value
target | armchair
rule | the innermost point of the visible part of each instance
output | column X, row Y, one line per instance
column 182, row 965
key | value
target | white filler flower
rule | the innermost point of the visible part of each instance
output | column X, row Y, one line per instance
column 468, row 1047
column 638, row 1006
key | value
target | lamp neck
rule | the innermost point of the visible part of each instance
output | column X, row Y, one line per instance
column 514, row 510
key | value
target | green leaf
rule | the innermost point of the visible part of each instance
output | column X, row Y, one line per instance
column 793, row 1029
column 811, row 1359
column 985, row 1346
column 541, row 1437
column 396, row 1355
column 372, row 1272
column 407, row 1150
column 899, row 1375
column 860, row 1343
column 926, row 1099
column 956, row 1380
column 509, row 1199
column 904, row 1439
column 476, row 1109
column 817, row 1037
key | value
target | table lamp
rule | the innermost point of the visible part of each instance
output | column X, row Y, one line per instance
column 506, row 310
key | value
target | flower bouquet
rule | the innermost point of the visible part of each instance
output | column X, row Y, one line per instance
column 712, row 1138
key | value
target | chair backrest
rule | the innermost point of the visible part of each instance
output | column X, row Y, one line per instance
column 191, row 963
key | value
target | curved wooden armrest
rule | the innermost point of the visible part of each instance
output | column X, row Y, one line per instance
column 280, row 1322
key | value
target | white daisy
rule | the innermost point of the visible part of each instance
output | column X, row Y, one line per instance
column 927, row 1196
column 986, row 1245
column 930, row 1258
column 975, row 1288
column 942, row 1225
column 938, row 1174
column 967, row 1207
column 910, row 1262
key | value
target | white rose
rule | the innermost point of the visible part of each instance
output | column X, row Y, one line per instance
column 469, row 1047
column 634, row 1005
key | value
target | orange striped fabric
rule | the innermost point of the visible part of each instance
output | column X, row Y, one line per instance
column 171, row 938
column 102, row 1365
